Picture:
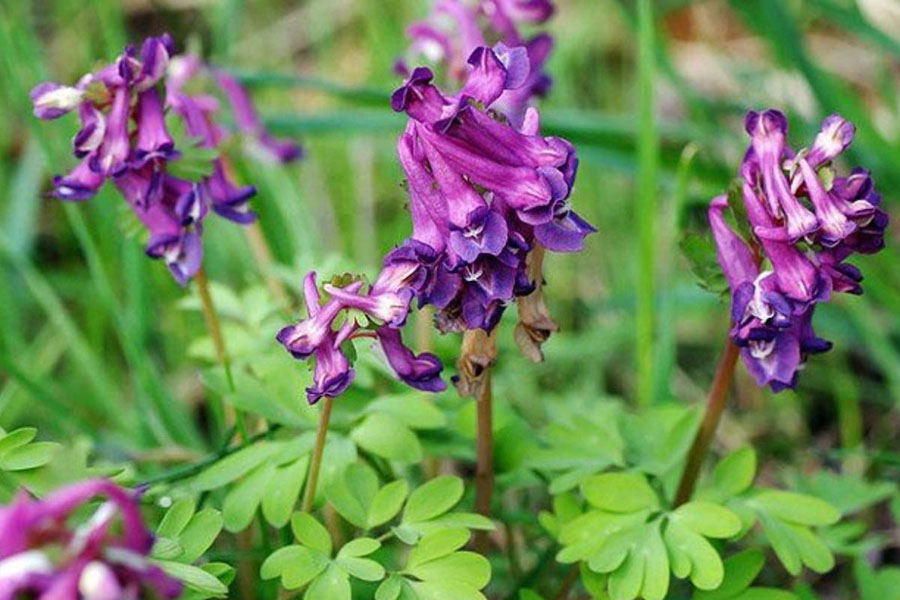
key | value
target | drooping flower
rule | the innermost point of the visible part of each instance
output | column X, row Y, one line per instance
column 43, row 556
column 125, row 137
column 805, row 225
column 483, row 195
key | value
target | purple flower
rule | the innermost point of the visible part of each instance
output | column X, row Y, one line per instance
column 482, row 193
column 834, row 137
column 92, row 132
column 124, row 137
column 456, row 29
column 803, row 252
column 51, row 100
column 303, row 339
column 388, row 306
column 332, row 375
column 153, row 139
column 248, row 122
column 422, row 372
column 40, row 556
column 81, row 183
column 768, row 131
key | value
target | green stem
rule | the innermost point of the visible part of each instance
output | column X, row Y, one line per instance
column 211, row 317
column 309, row 494
column 718, row 394
column 648, row 164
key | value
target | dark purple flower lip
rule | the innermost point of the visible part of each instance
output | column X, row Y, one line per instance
column 400, row 98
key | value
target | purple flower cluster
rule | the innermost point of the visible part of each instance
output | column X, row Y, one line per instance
column 455, row 28
column 806, row 223
column 43, row 556
column 482, row 195
column 124, row 137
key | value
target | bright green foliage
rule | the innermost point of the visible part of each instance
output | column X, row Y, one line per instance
column 19, row 451
column 311, row 562
column 435, row 566
column 629, row 539
column 740, row 571
column 183, row 536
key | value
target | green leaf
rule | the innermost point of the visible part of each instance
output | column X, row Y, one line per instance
column 625, row 582
column 876, row 585
column 796, row 508
column 656, row 564
column 361, row 568
column 412, row 409
column 333, row 584
column 444, row 590
column 352, row 492
column 437, row 544
column 849, row 493
column 166, row 549
column 594, row 583
column 813, row 551
column 176, row 518
column 620, row 492
column 311, row 533
column 701, row 255
column 740, row 571
column 29, row 456
column 387, row 503
column 199, row 534
column 296, row 565
column 433, row 499
column 390, row 588
column 236, row 465
column 16, row 438
column 734, row 473
column 359, row 547
column 758, row 593
column 465, row 519
column 243, row 499
column 690, row 553
column 462, row 567
column 388, row 437
column 194, row 578
column 282, row 492
column 708, row 519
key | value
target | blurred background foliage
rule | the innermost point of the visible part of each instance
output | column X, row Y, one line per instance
column 93, row 339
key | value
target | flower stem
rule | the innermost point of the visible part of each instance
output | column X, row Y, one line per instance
column 476, row 359
column 212, row 324
column 718, row 394
column 227, row 412
column 484, row 449
column 309, row 494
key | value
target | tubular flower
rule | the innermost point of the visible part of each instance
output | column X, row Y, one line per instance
column 41, row 556
column 456, row 28
column 483, row 194
column 805, row 223
column 126, row 110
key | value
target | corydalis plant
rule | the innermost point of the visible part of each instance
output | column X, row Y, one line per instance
column 482, row 195
column 455, row 28
column 128, row 110
column 804, row 223
column 42, row 555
